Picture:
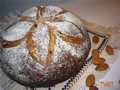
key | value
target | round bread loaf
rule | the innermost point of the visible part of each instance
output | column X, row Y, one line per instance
column 48, row 45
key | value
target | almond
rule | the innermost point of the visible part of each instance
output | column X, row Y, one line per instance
column 109, row 50
column 90, row 81
column 95, row 53
column 95, row 39
column 102, row 67
column 98, row 61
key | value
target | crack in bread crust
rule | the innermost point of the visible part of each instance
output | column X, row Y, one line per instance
column 9, row 44
column 32, row 47
column 52, row 42
column 40, row 11
column 71, row 39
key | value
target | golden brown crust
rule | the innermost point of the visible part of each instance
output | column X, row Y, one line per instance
column 71, row 39
column 32, row 47
column 51, row 45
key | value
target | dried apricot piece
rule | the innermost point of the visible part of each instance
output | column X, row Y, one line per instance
column 95, row 39
column 98, row 61
column 109, row 50
column 93, row 88
column 90, row 81
column 102, row 67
